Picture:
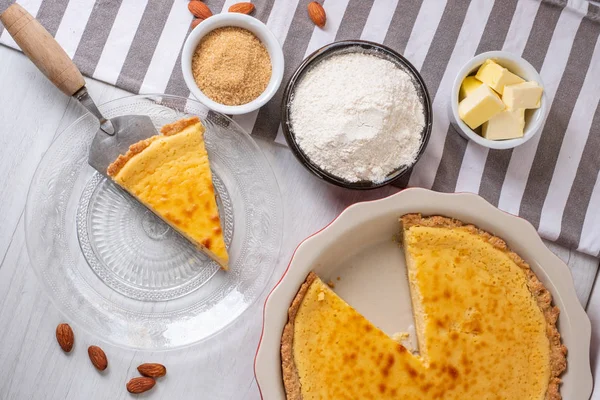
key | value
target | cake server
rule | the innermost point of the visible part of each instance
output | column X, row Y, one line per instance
column 115, row 135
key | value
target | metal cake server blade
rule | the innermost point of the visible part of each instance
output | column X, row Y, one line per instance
column 129, row 129
column 114, row 135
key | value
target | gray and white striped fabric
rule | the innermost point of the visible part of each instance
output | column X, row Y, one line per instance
column 553, row 180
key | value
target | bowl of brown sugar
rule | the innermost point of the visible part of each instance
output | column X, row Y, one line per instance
column 232, row 63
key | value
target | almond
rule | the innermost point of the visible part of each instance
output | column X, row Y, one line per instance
column 153, row 370
column 317, row 14
column 195, row 22
column 199, row 9
column 140, row 384
column 65, row 337
column 98, row 357
column 244, row 8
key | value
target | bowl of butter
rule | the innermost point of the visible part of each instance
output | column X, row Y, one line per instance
column 498, row 100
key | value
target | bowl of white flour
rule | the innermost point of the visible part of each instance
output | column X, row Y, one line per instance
column 356, row 114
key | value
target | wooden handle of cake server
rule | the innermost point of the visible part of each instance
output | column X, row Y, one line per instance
column 42, row 49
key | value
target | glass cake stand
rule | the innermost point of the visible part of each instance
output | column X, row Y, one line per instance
column 119, row 272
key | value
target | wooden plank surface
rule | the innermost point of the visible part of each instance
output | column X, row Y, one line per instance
column 32, row 365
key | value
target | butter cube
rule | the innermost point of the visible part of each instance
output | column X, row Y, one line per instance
column 481, row 105
column 468, row 85
column 523, row 95
column 496, row 76
column 507, row 124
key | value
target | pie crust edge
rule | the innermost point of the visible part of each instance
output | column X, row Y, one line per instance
column 558, row 351
column 291, row 379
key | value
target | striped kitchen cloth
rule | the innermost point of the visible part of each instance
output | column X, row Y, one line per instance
column 553, row 180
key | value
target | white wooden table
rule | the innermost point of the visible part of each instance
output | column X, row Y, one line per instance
column 32, row 366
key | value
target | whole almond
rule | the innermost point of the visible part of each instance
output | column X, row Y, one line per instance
column 65, row 337
column 317, row 14
column 195, row 22
column 244, row 8
column 98, row 357
column 140, row 384
column 153, row 370
column 199, row 9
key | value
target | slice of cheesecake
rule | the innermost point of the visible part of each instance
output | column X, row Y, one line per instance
column 170, row 174
column 485, row 324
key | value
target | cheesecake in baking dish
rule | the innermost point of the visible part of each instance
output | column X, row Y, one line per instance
column 485, row 325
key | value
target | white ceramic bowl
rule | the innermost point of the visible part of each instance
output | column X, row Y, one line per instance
column 361, row 238
column 243, row 21
column 534, row 119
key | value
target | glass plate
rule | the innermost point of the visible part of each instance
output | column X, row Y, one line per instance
column 118, row 271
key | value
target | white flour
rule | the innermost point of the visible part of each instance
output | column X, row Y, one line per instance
column 357, row 116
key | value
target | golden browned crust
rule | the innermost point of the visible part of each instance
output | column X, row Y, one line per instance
column 291, row 379
column 136, row 148
column 178, row 126
column 558, row 360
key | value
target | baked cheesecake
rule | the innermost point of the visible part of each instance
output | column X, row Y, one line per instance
column 170, row 174
column 485, row 325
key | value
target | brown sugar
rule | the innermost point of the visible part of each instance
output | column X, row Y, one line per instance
column 231, row 66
